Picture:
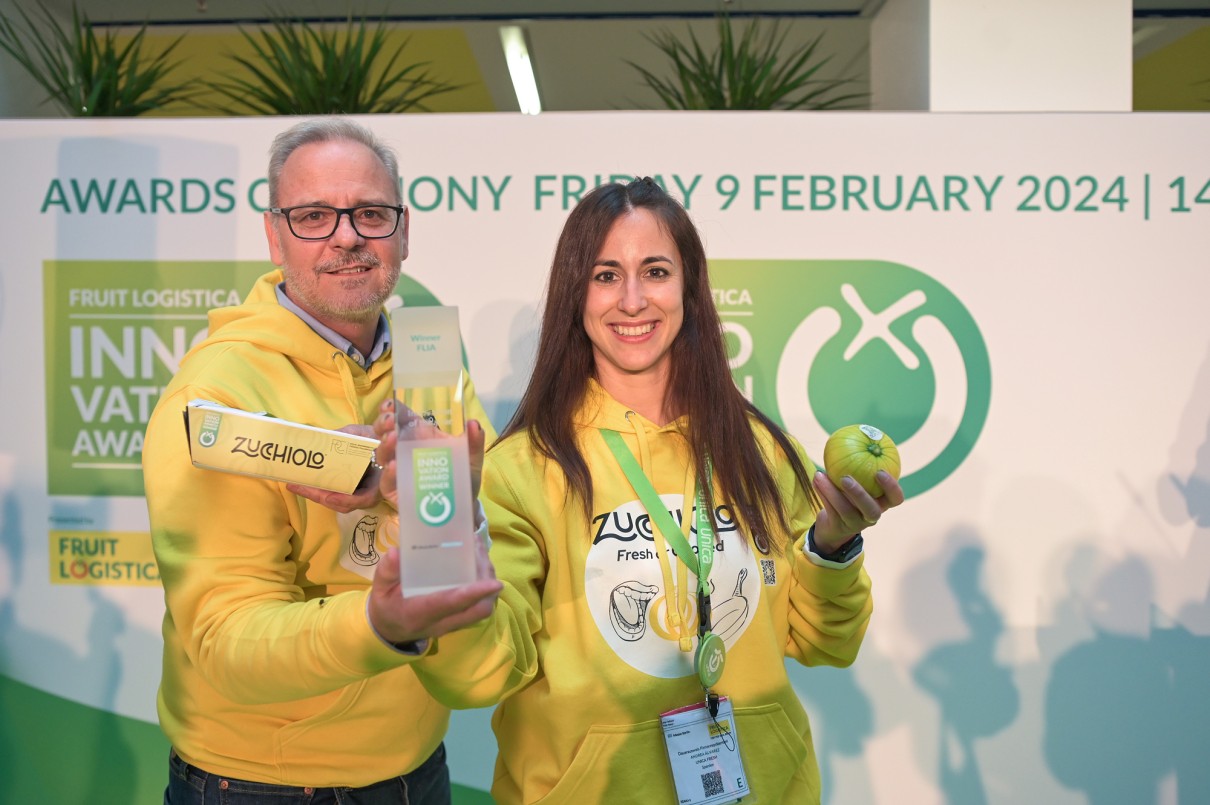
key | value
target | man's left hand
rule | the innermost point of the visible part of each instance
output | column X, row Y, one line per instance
column 365, row 496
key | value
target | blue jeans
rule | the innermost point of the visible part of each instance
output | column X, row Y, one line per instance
column 428, row 784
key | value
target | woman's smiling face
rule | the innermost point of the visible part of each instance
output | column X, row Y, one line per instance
column 635, row 302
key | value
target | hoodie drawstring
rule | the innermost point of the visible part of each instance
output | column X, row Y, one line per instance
column 679, row 610
column 347, row 383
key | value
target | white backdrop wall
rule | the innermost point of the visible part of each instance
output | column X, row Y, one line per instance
column 1018, row 299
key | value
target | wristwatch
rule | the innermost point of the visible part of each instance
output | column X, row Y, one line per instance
column 842, row 554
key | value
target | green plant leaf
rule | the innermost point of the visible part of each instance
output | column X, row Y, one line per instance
column 87, row 74
column 745, row 72
column 306, row 69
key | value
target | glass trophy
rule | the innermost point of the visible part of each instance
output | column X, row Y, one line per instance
column 437, row 538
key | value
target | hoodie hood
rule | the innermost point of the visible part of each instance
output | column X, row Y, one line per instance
column 262, row 347
column 261, row 320
column 601, row 411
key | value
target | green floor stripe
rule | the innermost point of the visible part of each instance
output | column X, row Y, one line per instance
column 55, row 750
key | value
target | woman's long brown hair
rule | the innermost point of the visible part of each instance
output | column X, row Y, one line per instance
column 700, row 383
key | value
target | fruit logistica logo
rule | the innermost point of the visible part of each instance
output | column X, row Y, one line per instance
column 115, row 334
column 210, row 426
column 819, row 344
column 433, row 476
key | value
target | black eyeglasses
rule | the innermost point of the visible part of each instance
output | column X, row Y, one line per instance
column 319, row 221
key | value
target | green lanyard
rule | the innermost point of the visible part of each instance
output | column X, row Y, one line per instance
column 700, row 564
column 711, row 654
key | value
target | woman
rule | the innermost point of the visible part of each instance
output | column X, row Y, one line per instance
column 595, row 639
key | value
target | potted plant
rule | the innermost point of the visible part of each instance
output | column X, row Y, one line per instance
column 89, row 74
column 747, row 71
column 302, row 69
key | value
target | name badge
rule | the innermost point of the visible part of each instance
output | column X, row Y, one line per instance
column 704, row 753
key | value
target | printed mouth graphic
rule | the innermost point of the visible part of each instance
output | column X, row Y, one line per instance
column 628, row 609
column 633, row 330
column 361, row 548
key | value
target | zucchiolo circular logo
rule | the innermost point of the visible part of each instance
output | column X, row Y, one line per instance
column 819, row 344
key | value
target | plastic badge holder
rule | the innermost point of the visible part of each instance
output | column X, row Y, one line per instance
column 436, row 510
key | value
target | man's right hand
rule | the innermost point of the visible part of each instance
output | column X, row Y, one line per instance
column 403, row 620
column 387, row 431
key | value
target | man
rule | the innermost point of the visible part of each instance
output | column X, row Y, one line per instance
column 287, row 643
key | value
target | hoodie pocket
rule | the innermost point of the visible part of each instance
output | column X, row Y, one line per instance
column 779, row 762
column 624, row 763
column 629, row 763
column 317, row 712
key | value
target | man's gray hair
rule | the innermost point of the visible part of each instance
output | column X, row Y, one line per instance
column 322, row 130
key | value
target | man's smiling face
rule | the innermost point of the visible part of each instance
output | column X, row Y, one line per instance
column 344, row 279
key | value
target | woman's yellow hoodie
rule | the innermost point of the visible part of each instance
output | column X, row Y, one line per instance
column 581, row 652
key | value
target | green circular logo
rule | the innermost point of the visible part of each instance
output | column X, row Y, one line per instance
column 820, row 344
column 408, row 290
column 710, row 659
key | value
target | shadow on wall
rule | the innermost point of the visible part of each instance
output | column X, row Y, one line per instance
column 1127, row 698
column 977, row 695
column 871, row 713
column 1115, row 709
column 842, row 717
column 42, row 735
column 1130, row 706
column 523, row 325
column 1182, row 496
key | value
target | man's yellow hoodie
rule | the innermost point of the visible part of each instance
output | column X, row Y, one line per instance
column 271, row 670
